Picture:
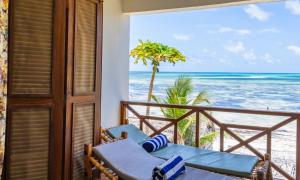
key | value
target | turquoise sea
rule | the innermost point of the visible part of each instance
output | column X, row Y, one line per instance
column 261, row 91
column 273, row 91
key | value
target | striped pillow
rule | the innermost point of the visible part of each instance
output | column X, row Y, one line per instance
column 155, row 143
column 170, row 169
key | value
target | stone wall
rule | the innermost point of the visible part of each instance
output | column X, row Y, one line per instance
column 3, row 74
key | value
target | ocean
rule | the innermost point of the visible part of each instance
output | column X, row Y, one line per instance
column 276, row 91
column 259, row 91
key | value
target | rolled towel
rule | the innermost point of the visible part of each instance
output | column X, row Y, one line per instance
column 155, row 143
column 170, row 169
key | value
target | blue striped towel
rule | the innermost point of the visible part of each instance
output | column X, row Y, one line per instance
column 155, row 143
column 170, row 169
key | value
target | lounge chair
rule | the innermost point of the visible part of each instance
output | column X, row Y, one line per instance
column 244, row 166
column 129, row 161
column 125, row 159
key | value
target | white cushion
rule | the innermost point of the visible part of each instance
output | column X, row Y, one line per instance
column 131, row 162
column 128, row 159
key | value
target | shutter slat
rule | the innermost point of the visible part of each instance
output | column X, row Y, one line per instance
column 83, row 134
column 85, row 47
column 31, row 55
column 29, row 143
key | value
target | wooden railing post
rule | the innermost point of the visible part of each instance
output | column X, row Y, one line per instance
column 221, row 139
column 197, row 136
column 298, row 149
column 175, row 132
column 269, row 143
column 122, row 114
column 141, row 124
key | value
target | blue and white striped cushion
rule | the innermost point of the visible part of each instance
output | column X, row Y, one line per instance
column 170, row 169
column 155, row 143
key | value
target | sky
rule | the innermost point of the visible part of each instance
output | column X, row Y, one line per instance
column 261, row 37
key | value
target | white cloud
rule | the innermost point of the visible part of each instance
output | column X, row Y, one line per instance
column 294, row 49
column 269, row 59
column 255, row 12
column 209, row 53
column 240, row 49
column 237, row 47
column 196, row 60
column 205, row 50
column 182, row 37
column 237, row 31
column 225, row 61
column 269, row 30
column 293, row 6
column 249, row 55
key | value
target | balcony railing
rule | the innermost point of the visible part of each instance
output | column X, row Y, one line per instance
column 224, row 128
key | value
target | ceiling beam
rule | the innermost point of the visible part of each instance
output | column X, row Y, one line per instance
column 152, row 6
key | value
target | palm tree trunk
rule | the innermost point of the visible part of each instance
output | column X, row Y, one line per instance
column 150, row 92
column 151, row 88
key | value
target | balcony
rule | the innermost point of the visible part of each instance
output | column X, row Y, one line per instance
column 258, row 142
column 66, row 82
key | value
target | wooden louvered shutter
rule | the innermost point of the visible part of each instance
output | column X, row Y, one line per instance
column 83, row 81
column 34, row 143
column 29, row 143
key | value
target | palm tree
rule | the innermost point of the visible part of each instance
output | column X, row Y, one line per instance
column 180, row 93
column 155, row 53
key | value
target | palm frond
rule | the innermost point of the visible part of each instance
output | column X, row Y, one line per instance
column 200, row 98
column 208, row 138
column 184, row 125
column 179, row 93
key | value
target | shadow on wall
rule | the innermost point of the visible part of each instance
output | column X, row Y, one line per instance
column 3, row 74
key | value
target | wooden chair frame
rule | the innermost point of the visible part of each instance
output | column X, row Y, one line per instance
column 93, row 164
column 262, row 171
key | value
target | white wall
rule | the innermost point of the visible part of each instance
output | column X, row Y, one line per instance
column 142, row 6
column 115, row 62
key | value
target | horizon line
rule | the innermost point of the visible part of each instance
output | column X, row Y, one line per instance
column 220, row 72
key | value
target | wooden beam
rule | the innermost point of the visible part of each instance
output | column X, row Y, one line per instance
column 232, row 134
column 122, row 114
column 243, row 143
column 213, row 109
column 269, row 144
column 158, row 118
column 142, row 6
column 277, row 126
column 197, row 136
column 282, row 172
column 141, row 118
column 173, row 123
column 175, row 133
column 133, row 111
column 141, row 124
column 221, row 139
column 150, row 126
column 237, row 126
